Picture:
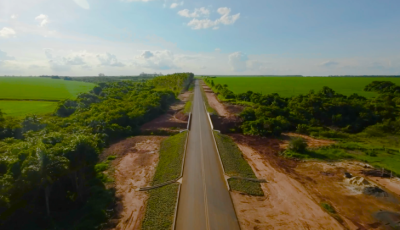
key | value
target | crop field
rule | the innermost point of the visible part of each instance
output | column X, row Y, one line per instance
column 41, row 88
column 22, row 108
column 291, row 86
column 13, row 90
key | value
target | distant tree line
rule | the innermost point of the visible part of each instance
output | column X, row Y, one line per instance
column 322, row 113
column 48, row 173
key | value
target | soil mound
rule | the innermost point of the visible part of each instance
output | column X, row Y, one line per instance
column 375, row 191
column 357, row 180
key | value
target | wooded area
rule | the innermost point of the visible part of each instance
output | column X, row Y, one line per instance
column 323, row 113
column 48, row 172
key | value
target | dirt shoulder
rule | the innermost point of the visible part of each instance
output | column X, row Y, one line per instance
column 286, row 205
column 171, row 122
column 227, row 111
column 134, row 168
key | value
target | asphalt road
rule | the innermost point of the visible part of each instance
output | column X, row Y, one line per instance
column 204, row 200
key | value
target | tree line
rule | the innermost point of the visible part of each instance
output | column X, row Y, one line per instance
column 48, row 178
column 322, row 113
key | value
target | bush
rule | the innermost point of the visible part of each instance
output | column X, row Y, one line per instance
column 297, row 144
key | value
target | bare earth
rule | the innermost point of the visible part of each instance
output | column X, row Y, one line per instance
column 286, row 205
column 134, row 168
column 227, row 111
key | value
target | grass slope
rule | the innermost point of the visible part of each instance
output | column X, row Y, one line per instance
column 22, row 108
column 291, row 86
column 161, row 208
column 41, row 88
column 171, row 155
column 161, row 203
column 236, row 165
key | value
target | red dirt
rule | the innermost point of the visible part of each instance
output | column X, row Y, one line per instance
column 134, row 168
column 286, row 205
column 225, row 110
column 296, row 189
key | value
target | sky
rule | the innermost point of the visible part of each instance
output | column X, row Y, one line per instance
column 220, row 37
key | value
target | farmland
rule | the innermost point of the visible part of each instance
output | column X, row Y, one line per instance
column 291, row 86
column 21, row 108
column 41, row 88
column 13, row 90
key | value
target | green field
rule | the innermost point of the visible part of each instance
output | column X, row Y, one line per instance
column 41, row 88
column 291, row 86
column 35, row 88
column 22, row 108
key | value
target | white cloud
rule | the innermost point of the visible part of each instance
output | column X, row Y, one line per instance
column 14, row 16
column 217, row 50
column 198, row 12
column 237, row 61
column 109, row 60
column 42, row 19
column 7, row 32
column 59, row 62
column 174, row 5
column 225, row 19
column 157, row 60
column 146, row 54
column 82, row 3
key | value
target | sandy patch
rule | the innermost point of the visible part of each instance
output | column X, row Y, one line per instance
column 135, row 167
column 328, row 184
column 312, row 142
column 286, row 205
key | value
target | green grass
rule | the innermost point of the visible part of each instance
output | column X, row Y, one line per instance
column 161, row 208
column 249, row 187
column 291, row 86
column 375, row 155
column 22, row 108
column 236, row 165
column 171, row 155
column 188, row 106
column 162, row 201
column 41, row 88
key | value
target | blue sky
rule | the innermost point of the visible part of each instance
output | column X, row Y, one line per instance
column 127, row 37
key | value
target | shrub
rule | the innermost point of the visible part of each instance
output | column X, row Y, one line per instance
column 297, row 144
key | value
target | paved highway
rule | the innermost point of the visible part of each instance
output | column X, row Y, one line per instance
column 204, row 200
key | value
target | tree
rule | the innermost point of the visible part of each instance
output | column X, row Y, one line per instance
column 45, row 168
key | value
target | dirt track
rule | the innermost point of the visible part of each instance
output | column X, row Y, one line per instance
column 134, row 168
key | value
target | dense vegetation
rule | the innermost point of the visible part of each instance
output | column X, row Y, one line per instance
column 48, row 173
column 323, row 113
column 293, row 86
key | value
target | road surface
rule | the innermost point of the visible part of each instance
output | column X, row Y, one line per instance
column 204, row 202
